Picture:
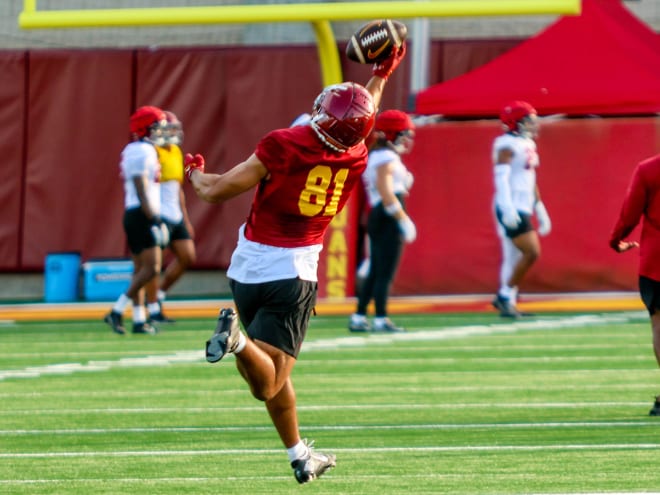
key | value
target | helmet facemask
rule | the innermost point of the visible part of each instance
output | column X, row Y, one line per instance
column 403, row 143
column 173, row 130
column 528, row 127
column 174, row 133
column 156, row 135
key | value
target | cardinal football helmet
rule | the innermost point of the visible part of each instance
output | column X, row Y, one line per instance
column 397, row 128
column 343, row 115
column 174, row 129
column 520, row 117
column 148, row 123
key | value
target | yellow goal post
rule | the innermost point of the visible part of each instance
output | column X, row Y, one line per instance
column 319, row 14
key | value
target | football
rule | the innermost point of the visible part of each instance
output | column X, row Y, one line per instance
column 375, row 41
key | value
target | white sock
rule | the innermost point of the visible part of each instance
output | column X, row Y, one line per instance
column 242, row 342
column 514, row 295
column 506, row 292
column 153, row 308
column 121, row 303
column 298, row 451
column 139, row 314
column 161, row 295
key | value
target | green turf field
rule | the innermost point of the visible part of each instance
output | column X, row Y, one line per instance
column 462, row 404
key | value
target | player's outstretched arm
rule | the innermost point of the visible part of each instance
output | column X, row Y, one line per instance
column 221, row 187
column 381, row 73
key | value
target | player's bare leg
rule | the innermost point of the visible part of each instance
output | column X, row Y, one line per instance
column 530, row 249
column 184, row 252
column 519, row 254
column 145, row 267
column 267, row 370
column 283, row 414
column 655, row 327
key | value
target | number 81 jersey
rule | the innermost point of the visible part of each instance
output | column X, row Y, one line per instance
column 307, row 185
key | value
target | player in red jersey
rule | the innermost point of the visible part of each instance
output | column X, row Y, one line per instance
column 303, row 177
column 642, row 200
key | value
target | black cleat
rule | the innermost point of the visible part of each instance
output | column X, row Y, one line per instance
column 226, row 336
column 144, row 328
column 388, row 327
column 160, row 318
column 360, row 327
column 655, row 410
column 116, row 322
column 506, row 309
column 313, row 465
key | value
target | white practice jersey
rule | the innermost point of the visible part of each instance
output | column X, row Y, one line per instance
column 254, row 263
column 522, row 180
column 170, row 201
column 139, row 159
column 400, row 175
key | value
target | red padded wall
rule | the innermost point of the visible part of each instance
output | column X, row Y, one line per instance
column 12, row 148
column 62, row 191
column 77, row 125
column 585, row 169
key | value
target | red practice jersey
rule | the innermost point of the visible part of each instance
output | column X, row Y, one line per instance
column 643, row 200
column 307, row 185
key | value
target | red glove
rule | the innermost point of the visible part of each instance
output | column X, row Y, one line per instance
column 385, row 68
column 193, row 163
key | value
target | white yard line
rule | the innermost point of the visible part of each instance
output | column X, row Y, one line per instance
column 326, row 407
column 441, row 426
column 335, row 343
column 367, row 450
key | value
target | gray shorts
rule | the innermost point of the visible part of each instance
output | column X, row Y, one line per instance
column 276, row 312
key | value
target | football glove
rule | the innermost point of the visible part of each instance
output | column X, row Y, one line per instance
column 160, row 232
column 510, row 218
column 408, row 229
column 385, row 68
column 193, row 163
column 545, row 225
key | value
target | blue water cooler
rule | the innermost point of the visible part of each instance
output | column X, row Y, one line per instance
column 61, row 277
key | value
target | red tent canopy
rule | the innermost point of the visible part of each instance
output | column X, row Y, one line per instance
column 603, row 62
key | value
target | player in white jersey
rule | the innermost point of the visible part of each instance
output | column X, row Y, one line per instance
column 517, row 199
column 387, row 182
column 145, row 231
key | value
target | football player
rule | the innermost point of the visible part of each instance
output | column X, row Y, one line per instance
column 387, row 182
column 643, row 201
column 145, row 231
column 175, row 215
column 303, row 176
column 517, row 199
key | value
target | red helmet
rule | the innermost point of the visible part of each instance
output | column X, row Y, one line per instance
column 143, row 121
column 343, row 115
column 392, row 123
column 174, row 129
column 171, row 117
column 512, row 113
